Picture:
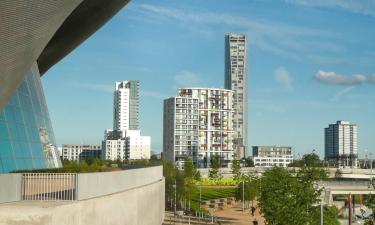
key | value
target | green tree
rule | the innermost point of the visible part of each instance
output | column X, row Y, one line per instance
column 214, row 172
column 191, row 172
column 236, row 170
column 370, row 203
column 249, row 190
column 249, row 162
column 286, row 199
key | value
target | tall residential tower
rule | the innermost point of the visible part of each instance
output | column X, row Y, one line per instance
column 236, row 80
column 341, row 140
column 126, row 105
column 124, row 141
column 198, row 124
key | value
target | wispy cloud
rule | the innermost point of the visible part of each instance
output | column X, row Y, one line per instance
column 283, row 77
column 153, row 94
column 110, row 89
column 273, row 36
column 98, row 87
column 365, row 7
column 371, row 79
column 187, row 79
column 341, row 93
column 333, row 78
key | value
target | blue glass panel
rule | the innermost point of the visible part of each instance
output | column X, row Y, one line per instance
column 26, row 136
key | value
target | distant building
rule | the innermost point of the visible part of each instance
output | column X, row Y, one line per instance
column 341, row 144
column 77, row 152
column 270, row 156
column 236, row 73
column 126, row 105
column 126, row 144
column 198, row 124
column 124, row 141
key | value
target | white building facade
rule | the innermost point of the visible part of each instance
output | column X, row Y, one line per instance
column 270, row 156
column 124, row 141
column 77, row 152
column 198, row 124
column 236, row 73
column 126, row 105
column 341, row 144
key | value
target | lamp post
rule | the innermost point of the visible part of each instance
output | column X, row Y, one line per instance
column 175, row 199
column 243, row 195
column 322, row 188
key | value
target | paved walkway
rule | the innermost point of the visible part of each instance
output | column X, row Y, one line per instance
column 233, row 215
column 236, row 216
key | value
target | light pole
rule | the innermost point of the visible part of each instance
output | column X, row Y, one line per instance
column 200, row 196
column 371, row 162
column 175, row 199
column 243, row 195
column 322, row 188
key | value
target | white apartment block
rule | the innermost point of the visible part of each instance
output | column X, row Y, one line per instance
column 124, row 141
column 341, row 144
column 180, row 129
column 77, row 152
column 198, row 124
column 270, row 156
column 236, row 73
column 126, row 145
column 126, row 105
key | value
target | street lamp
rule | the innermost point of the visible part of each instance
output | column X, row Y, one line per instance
column 243, row 194
column 322, row 188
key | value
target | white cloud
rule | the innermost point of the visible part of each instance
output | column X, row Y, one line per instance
column 365, row 7
column 333, row 78
column 371, row 79
column 272, row 36
column 340, row 94
column 153, row 94
column 283, row 77
column 187, row 79
column 98, row 87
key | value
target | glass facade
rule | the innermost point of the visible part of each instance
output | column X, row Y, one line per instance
column 26, row 136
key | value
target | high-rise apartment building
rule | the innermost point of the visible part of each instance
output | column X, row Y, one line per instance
column 341, row 144
column 270, row 156
column 126, row 105
column 236, row 80
column 124, row 141
column 180, row 129
column 198, row 124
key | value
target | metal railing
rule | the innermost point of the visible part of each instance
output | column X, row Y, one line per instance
column 49, row 186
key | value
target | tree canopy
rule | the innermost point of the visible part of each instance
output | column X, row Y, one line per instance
column 286, row 199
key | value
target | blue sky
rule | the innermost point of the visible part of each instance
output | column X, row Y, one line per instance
column 310, row 63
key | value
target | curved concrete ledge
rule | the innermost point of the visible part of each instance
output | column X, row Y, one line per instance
column 134, row 197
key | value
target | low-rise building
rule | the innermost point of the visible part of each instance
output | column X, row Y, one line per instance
column 126, row 144
column 270, row 156
column 77, row 152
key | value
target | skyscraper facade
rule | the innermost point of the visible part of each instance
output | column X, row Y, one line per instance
column 126, row 105
column 236, row 73
column 341, row 144
column 198, row 124
column 180, row 129
column 124, row 141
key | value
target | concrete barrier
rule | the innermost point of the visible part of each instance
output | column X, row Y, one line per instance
column 134, row 197
column 10, row 187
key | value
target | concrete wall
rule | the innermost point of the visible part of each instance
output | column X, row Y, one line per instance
column 134, row 197
column 109, row 183
column 10, row 187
